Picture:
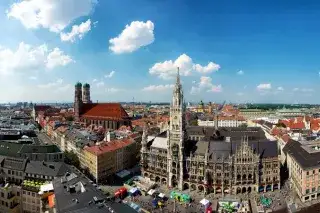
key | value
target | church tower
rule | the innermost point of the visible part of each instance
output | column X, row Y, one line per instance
column 144, row 143
column 77, row 100
column 86, row 93
column 176, row 137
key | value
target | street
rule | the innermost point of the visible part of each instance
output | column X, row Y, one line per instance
column 44, row 139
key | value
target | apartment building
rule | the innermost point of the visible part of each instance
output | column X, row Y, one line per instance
column 304, row 168
column 107, row 158
column 9, row 198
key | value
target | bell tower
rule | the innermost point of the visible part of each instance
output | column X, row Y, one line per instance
column 77, row 100
column 176, row 137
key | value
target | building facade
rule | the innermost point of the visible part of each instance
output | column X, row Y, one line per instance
column 210, row 160
column 107, row 158
column 304, row 168
column 223, row 122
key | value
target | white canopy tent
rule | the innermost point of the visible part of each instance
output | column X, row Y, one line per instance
column 134, row 190
column 161, row 195
column 205, row 202
column 151, row 192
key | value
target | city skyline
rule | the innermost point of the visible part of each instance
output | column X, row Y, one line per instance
column 262, row 52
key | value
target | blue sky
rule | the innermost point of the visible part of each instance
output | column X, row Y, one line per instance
column 241, row 51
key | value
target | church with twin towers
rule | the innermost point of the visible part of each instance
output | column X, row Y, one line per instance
column 224, row 160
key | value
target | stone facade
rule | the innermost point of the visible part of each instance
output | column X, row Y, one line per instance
column 207, row 161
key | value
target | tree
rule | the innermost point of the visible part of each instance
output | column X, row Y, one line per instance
column 243, row 125
column 194, row 123
column 281, row 125
column 70, row 118
column 71, row 158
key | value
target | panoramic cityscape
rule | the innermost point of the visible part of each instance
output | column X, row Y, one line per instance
column 159, row 106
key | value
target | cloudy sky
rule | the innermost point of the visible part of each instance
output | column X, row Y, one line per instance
column 257, row 51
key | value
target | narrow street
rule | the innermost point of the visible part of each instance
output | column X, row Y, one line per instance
column 44, row 139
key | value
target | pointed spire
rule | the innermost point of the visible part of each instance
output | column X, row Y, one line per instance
column 178, row 76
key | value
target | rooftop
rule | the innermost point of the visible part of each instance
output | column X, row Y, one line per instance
column 104, row 110
column 54, row 169
column 76, row 194
column 109, row 146
column 306, row 156
column 13, row 149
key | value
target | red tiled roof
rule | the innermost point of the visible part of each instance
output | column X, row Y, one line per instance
column 285, row 138
column 108, row 146
column 296, row 123
column 315, row 124
column 104, row 110
column 38, row 108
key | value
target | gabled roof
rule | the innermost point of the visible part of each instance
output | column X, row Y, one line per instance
column 104, row 110
column 54, row 169
column 15, row 163
column 42, row 108
column 39, row 149
column 305, row 159
column 109, row 146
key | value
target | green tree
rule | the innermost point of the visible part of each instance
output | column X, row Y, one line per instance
column 244, row 125
column 69, row 118
column 194, row 123
column 71, row 158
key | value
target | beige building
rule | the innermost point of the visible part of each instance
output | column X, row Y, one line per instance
column 107, row 158
column 303, row 162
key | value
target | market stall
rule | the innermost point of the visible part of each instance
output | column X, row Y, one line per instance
column 134, row 191
column 205, row 203
column 121, row 193
column 180, row 197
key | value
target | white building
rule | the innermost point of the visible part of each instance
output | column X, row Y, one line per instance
column 223, row 122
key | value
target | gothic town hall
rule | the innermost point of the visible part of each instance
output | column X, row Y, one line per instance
column 220, row 160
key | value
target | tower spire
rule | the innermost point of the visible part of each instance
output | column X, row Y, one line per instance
column 178, row 76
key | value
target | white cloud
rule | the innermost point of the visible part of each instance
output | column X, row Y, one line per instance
column 240, row 94
column 264, row 86
column 110, row 74
column 194, row 82
column 28, row 57
column 64, row 88
column 205, row 83
column 215, row 88
column 94, row 80
column 77, row 31
column 158, row 88
column 211, row 67
column 57, row 58
column 51, row 84
column 54, row 15
column 168, row 69
column 240, row 72
column 195, row 90
column 112, row 90
column 137, row 34
column 100, row 84
column 295, row 89
column 33, row 78
column 280, row 89
column 307, row 90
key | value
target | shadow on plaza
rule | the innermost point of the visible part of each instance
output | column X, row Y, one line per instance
column 311, row 209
